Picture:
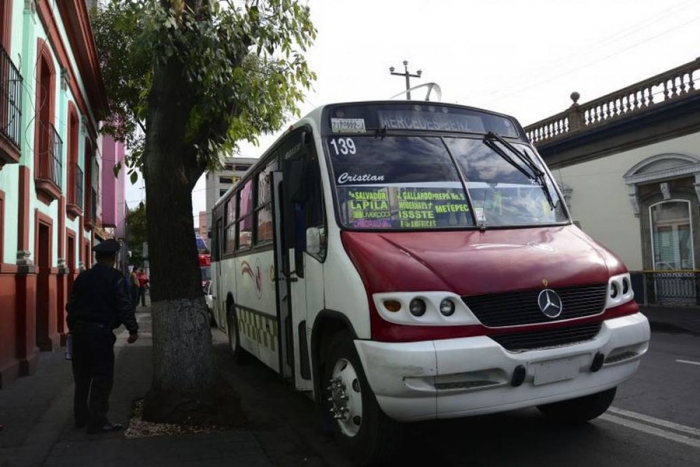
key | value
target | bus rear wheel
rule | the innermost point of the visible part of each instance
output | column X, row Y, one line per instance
column 359, row 425
column 579, row 410
column 234, row 339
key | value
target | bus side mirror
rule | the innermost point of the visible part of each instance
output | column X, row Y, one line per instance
column 313, row 241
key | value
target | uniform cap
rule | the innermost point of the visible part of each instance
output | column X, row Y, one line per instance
column 108, row 246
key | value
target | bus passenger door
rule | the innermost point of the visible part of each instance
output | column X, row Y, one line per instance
column 286, row 280
column 219, row 300
column 300, row 288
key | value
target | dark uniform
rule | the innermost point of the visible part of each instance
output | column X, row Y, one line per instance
column 99, row 303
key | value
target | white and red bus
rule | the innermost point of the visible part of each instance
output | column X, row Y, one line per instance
column 405, row 261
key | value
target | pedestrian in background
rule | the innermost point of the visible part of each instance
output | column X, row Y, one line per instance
column 135, row 286
column 99, row 303
column 143, row 285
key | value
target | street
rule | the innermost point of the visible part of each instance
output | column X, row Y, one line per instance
column 655, row 420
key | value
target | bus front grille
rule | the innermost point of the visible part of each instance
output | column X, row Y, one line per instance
column 547, row 338
column 518, row 308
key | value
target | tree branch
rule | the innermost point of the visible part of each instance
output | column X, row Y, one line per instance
column 193, row 169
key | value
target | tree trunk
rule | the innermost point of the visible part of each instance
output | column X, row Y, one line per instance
column 184, row 373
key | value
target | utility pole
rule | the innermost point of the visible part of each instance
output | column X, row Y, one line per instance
column 408, row 77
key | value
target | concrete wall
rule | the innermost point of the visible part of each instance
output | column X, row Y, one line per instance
column 600, row 199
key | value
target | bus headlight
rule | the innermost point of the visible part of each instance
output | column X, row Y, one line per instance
column 417, row 307
column 424, row 308
column 625, row 285
column 613, row 290
column 447, row 307
column 619, row 290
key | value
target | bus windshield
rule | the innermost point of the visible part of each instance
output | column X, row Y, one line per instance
column 431, row 182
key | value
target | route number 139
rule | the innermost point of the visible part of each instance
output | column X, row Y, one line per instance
column 343, row 146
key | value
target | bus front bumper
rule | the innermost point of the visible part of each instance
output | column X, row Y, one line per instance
column 475, row 375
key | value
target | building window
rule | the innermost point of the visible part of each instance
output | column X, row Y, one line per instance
column 222, row 193
column 75, row 173
column 672, row 236
column 11, row 83
column 6, row 23
column 91, row 186
column 48, row 144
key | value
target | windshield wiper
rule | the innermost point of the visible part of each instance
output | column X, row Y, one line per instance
column 537, row 174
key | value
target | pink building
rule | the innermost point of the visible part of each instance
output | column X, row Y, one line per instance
column 113, row 189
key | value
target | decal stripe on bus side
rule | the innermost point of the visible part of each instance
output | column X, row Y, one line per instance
column 260, row 328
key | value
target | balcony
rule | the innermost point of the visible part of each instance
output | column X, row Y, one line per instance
column 10, row 111
column 48, row 163
column 91, row 220
column 651, row 95
column 75, row 196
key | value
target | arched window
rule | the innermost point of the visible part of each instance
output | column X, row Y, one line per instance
column 11, row 82
column 672, row 235
column 75, row 173
column 6, row 23
column 48, row 146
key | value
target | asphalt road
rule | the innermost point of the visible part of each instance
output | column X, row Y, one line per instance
column 654, row 421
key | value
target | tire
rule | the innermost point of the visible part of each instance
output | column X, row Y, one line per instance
column 240, row 355
column 348, row 399
column 579, row 410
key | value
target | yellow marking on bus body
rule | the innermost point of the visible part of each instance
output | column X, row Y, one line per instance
column 259, row 328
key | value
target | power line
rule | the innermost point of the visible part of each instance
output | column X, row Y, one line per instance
column 654, row 19
column 551, row 78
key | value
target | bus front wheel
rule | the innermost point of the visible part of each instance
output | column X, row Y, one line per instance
column 359, row 425
column 581, row 409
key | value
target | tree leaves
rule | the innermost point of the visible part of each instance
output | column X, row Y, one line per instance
column 244, row 66
column 116, row 169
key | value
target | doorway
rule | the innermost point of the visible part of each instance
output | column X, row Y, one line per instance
column 43, row 289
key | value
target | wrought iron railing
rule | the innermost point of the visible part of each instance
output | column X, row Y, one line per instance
column 79, row 186
column 674, row 84
column 667, row 287
column 10, row 100
column 50, row 165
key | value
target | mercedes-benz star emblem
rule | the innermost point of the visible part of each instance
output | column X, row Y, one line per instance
column 549, row 303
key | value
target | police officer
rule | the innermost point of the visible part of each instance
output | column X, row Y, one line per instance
column 99, row 303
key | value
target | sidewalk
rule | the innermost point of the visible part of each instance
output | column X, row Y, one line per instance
column 37, row 415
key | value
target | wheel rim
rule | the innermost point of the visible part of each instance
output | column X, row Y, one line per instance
column 345, row 397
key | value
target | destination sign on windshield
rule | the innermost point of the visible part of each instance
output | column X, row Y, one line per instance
column 404, row 207
column 407, row 120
